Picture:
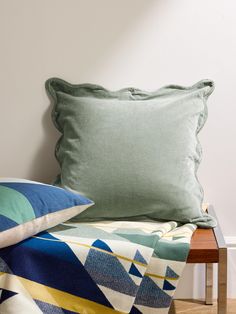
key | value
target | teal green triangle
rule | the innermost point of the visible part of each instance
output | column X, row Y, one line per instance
column 146, row 240
column 15, row 205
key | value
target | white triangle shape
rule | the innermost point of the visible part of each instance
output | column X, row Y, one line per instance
column 121, row 302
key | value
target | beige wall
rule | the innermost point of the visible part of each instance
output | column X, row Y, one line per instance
column 145, row 43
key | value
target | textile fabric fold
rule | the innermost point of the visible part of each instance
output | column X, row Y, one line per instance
column 101, row 267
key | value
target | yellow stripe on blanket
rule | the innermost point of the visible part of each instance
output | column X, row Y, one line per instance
column 160, row 277
column 57, row 297
column 94, row 248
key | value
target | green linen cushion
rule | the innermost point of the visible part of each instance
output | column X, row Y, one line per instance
column 29, row 207
column 134, row 152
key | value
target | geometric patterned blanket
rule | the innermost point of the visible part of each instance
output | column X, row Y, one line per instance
column 90, row 268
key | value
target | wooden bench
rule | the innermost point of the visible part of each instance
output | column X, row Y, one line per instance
column 208, row 247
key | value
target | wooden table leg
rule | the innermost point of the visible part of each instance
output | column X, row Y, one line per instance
column 209, row 284
column 222, row 281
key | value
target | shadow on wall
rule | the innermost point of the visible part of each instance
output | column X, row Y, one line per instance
column 75, row 49
column 44, row 167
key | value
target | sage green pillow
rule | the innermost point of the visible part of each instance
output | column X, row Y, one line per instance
column 134, row 153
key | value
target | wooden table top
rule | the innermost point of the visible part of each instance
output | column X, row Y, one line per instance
column 204, row 247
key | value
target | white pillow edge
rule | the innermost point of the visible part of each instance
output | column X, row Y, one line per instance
column 28, row 229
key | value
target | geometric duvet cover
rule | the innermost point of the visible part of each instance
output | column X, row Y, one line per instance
column 89, row 268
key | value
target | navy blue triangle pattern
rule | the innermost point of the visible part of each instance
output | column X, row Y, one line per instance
column 101, row 245
column 39, row 259
column 4, row 267
column 149, row 294
column 42, row 196
column 170, row 273
column 6, row 294
column 168, row 286
column 49, row 308
column 100, row 272
column 134, row 310
column 134, row 271
column 139, row 258
column 109, row 272
column 6, row 223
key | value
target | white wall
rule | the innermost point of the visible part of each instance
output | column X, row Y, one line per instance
column 141, row 43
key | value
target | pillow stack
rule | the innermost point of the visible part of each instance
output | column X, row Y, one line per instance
column 28, row 207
